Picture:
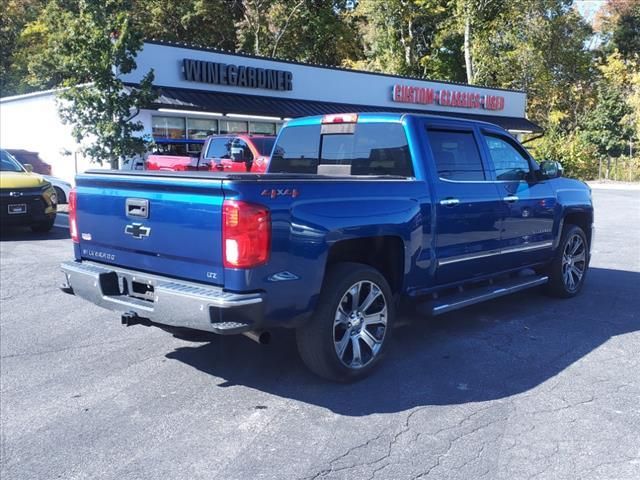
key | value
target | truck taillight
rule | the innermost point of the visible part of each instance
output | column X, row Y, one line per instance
column 73, row 223
column 246, row 234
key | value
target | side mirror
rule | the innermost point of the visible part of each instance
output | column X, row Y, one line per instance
column 237, row 154
column 551, row 169
column 28, row 167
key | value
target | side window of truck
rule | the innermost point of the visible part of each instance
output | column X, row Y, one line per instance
column 456, row 155
column 219, row 148
column 371, row 149
column 508, row 162
column 297, row 150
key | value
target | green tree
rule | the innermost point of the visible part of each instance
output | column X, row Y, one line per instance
column 620, row 26
column 573, row 150
column 475, row 16
column 540, row 47
column 321, row 31
column 203, row 22
column 16, row 14
column 398, row 35
column 100, row 46
column 316, row 31
column 37, row 58
column 608, row 125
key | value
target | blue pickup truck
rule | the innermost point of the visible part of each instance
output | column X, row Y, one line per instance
column 360, row 218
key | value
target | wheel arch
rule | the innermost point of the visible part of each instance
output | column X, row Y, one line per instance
column 385, row 253
column 62, row 197
column 581, row 218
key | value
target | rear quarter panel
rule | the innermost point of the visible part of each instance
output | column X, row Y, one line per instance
column 305, row 225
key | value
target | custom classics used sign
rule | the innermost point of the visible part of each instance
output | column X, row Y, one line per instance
column 236, row 75
column 446, row 98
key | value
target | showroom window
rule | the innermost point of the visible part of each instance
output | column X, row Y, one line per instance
column 262, row 128
column 233, row 126
column 168, row 127
column 201, row 128
column 179, row 128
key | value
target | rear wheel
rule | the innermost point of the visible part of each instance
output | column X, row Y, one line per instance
column 351, row 327
column 569, row 267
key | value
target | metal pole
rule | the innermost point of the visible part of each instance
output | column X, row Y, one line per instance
column 600, row 169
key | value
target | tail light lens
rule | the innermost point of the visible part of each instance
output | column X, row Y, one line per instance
column 73, row 223
column 246, row 234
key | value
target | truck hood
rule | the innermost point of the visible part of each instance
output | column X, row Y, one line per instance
column 13, row 180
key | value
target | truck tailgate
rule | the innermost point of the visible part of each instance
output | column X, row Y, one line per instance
column 169, row 226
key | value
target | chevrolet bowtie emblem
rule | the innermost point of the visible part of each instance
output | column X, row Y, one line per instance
column 137, row 230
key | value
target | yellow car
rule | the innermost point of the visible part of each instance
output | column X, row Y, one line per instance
column 25, row 197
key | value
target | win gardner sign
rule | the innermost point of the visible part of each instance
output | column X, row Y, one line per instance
column 236, row 75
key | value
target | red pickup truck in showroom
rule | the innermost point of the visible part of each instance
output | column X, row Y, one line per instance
column 229, row 153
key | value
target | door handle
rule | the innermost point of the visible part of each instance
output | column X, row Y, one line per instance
column 449, row 202
column 510, row 198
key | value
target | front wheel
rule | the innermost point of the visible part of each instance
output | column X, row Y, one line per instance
column 569, row 267
column 351, row 327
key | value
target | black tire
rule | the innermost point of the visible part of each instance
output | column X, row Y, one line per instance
column 560, row 285
column 317, row 339
column 62, row 198
column 43, row 227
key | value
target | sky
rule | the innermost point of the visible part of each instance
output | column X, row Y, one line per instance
column 588, row 8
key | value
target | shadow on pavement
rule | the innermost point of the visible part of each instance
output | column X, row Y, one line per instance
column 486, row 352
column 23, row 234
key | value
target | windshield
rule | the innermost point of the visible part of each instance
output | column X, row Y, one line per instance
column 264, row 145
column 8, row 163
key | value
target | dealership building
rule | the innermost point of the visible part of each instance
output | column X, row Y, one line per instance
column 204, row 91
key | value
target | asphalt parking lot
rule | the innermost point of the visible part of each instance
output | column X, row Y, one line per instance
column 521, row 387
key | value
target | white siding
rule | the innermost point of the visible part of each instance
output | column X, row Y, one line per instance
column 32, row 123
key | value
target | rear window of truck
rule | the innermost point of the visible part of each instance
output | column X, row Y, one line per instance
column 360, row 149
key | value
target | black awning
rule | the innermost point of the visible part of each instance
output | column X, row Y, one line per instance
column 199, row 100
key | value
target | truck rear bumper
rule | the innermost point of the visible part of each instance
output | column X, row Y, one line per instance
column 164, row 300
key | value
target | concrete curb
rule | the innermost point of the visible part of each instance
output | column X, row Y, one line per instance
column 614, row 186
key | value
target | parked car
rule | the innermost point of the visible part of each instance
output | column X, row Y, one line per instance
column 26, row 198
column 237, row 153
column 31, row 158
column 359, row 218
column 174, row 155
column 232, row 153
column 61, row 187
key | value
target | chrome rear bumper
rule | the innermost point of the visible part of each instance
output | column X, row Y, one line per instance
column 163, row 300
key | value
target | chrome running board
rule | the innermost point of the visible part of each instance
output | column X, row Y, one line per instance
column 481, row 294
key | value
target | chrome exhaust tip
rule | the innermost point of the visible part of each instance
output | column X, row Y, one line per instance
column 261, row 337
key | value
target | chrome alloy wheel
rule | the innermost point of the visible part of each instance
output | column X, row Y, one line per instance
column 574, row 262
column 360, row 324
